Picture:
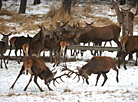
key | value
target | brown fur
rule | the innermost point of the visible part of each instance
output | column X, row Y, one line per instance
column 130, row 44
column 98, row 65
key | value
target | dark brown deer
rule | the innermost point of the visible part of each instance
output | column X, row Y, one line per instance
column 37, row 68
column 17, row 42
column 3, row 47
column 129, row 46
column 120, row 16
column 36, row 46
column 97, row 65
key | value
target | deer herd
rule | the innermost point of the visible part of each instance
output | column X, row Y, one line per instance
column 73, row 35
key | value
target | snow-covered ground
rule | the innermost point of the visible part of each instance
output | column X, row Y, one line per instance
column 70, row 90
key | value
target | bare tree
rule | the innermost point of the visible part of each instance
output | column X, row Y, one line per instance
column 67, row 5
column 22, row 6
column 0, row 4
column 36, row 2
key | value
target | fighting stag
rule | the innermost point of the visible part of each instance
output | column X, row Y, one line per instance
column 37, row 68
column 3, row 47
column 97, row 65
column 129, row 46
column 17, row 42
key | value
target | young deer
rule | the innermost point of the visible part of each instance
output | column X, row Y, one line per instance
column 37, row 68
column 3, row 47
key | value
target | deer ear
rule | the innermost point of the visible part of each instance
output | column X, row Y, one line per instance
column 2, row 34
column 39, row 26
column 9, row 33
column 92, row 22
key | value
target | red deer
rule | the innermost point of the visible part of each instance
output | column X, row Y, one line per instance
column 129, row 46
column 120, row 17
column 17, row 42
column 3, row 47
column 36, row 46
column 100, row 34
column 97, row 65
column 37, row 68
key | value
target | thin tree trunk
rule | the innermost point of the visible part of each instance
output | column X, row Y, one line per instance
column 67, row 5
column 22, row 6
column 36, row 2
column 0, row 4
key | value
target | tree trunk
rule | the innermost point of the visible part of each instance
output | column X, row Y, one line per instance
column 0, row 4
column 22, row 6
column 67, row 6
column 36, row 2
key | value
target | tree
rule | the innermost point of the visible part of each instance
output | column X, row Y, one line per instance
column 36, row 2
column 67, row 5
column 22, row 6
column 0, row 4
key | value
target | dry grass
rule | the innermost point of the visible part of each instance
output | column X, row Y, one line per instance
column 6, row 12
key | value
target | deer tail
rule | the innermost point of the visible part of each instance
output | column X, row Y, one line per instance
column 123, row 43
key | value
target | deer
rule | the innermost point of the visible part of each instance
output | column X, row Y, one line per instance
column 3, row 47
column 120, row 17
column 97, row 65
column 37, row 68
column 36, row 46
column 17, row 42
column 99, row 34
column 129, row 46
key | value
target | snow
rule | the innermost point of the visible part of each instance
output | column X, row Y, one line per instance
column 70, row 90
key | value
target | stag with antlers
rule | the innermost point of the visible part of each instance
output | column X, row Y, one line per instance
column 37, row 68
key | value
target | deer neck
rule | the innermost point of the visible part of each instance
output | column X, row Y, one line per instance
column 119, row 14
column 126, row 21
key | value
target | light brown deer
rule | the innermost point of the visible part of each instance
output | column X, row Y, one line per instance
column 37, row 68
column 120, row 17
column 129, row 46
column 97, row 65
column 3, row 47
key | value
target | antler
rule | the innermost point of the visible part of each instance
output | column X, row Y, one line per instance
column 72, row 72
column 55, row 79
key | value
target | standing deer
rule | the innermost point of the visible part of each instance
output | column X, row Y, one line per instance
column 17, row 42
column 129, row 46
column 37, row 68
column 3, row 47
column 97, row 65
column 36, row 45
column 120, row 17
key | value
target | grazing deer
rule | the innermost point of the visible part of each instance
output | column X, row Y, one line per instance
column 37, row 68
column 17, row 42
column 36, row 45
column 129, row 46
column 97, row 65
column 3, row 47
column 120, row 17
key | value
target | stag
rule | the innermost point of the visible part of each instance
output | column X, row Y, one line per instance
column 97, row 65
column 37, row 68
column 129, row 46
column 17, row 42
column 3, row 47
column 120, row 17
column 36, row 46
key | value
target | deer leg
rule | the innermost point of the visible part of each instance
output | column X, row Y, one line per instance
column 136, row 58
column 4, row 61
column 9, row 54
column 123, row 57
column 1, row 63
column 48, row 87
column 65, row 57
column 35, row 80
column 28, row 82
column 105, row 78
column 55, row 59
column 17, row 56
column 98, row 76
